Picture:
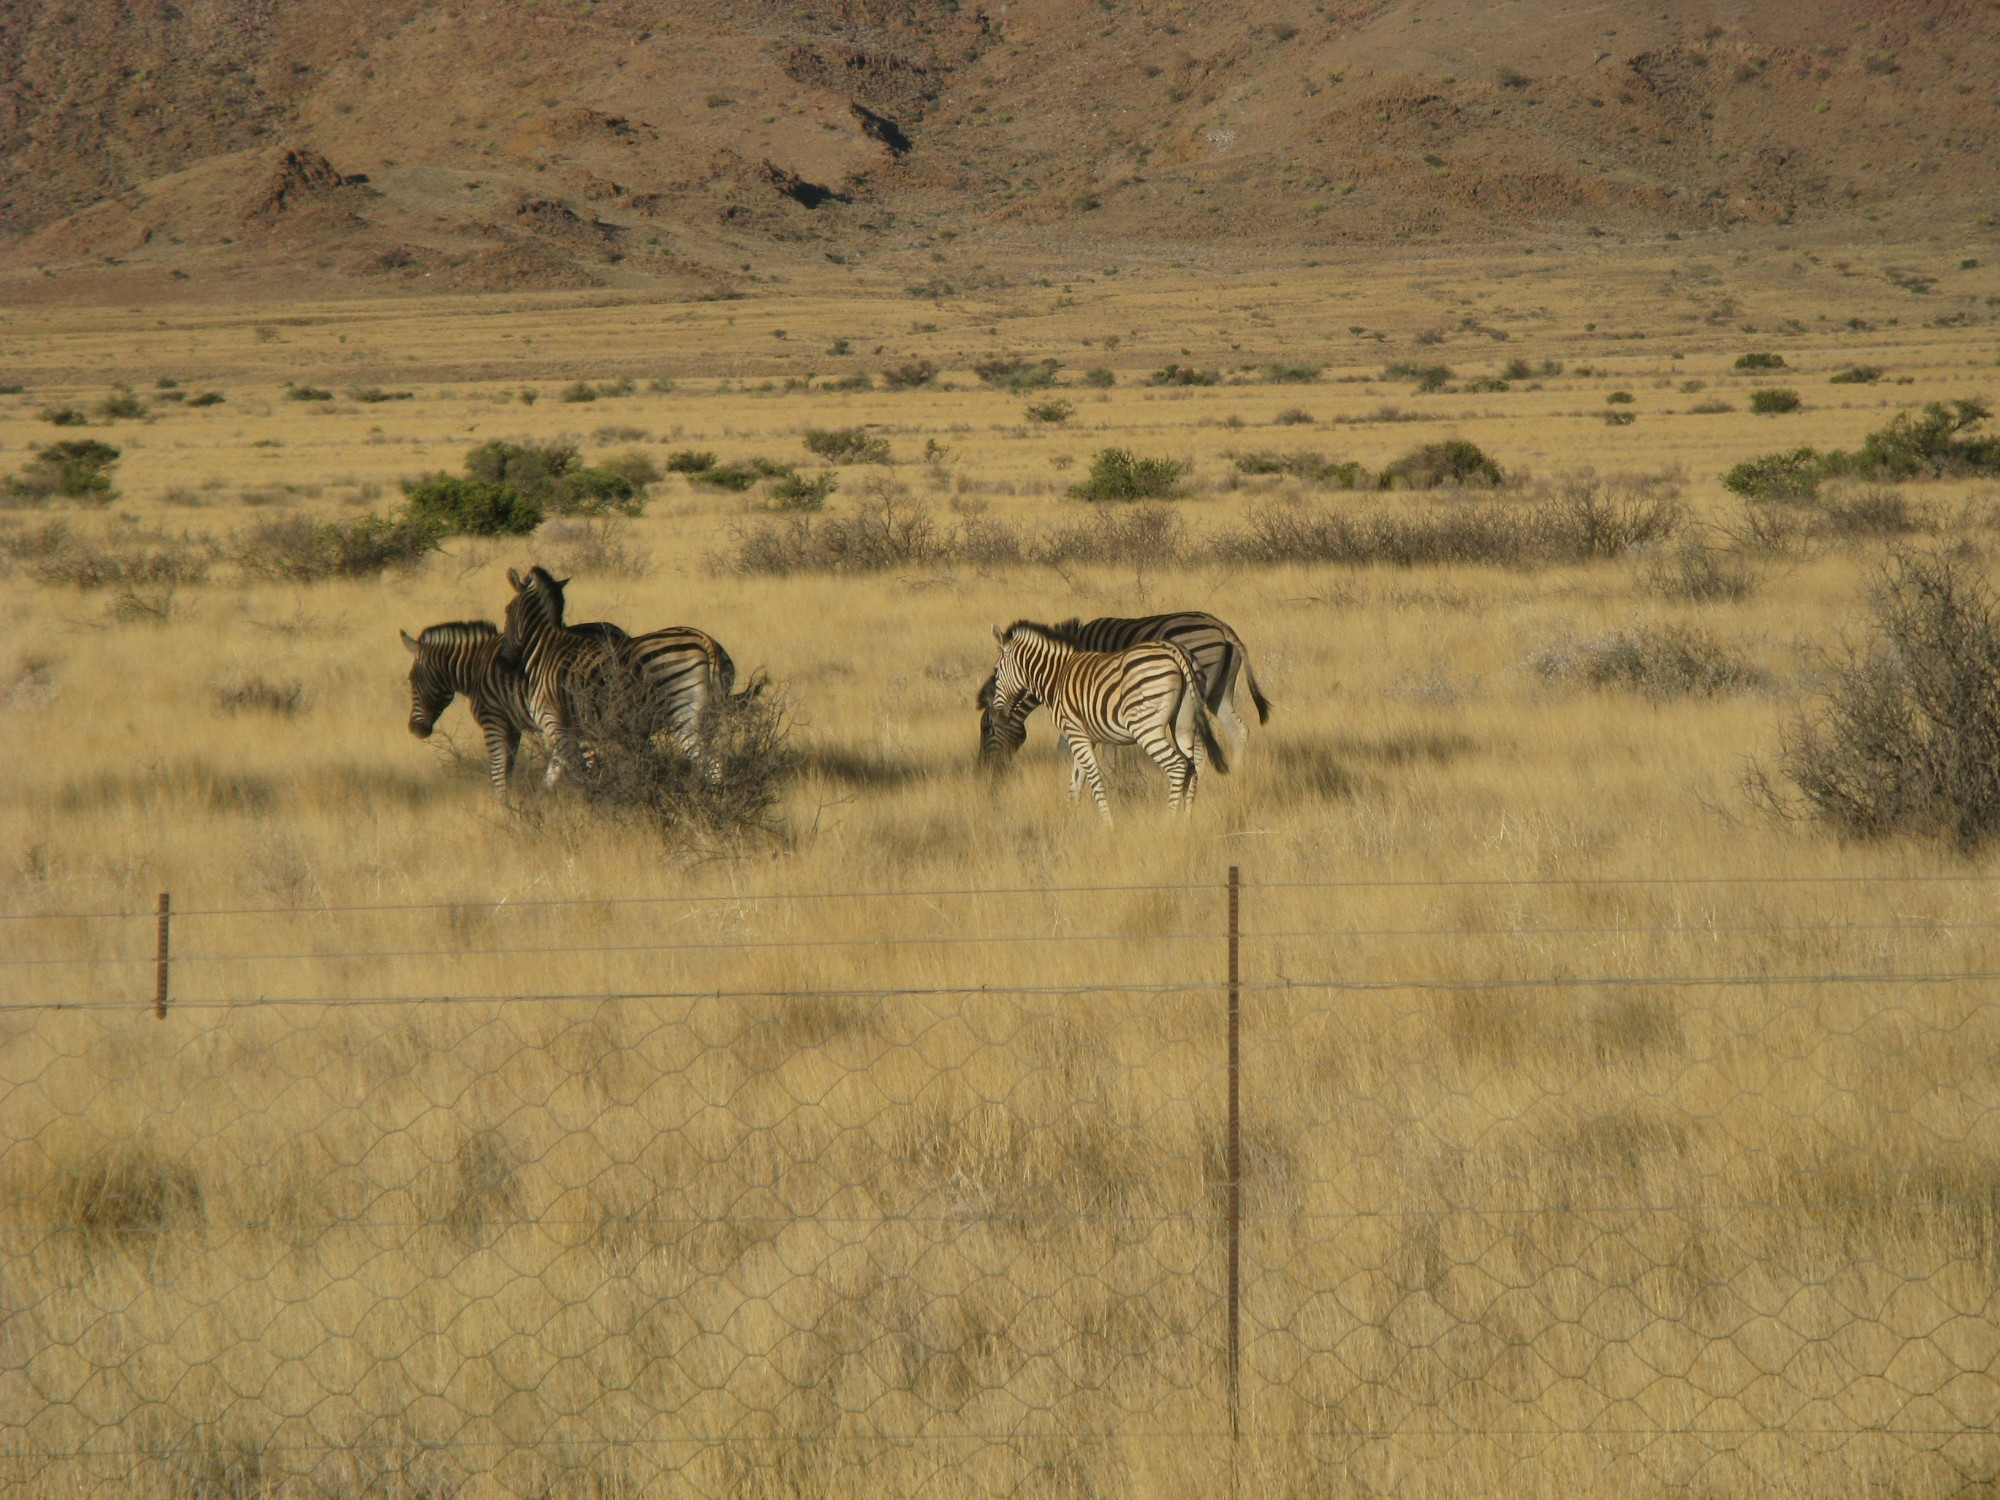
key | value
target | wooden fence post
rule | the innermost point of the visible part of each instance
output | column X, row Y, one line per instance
column 1235, row 1163
column 160, row 960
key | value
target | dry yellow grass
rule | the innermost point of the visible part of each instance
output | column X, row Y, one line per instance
column 738, row 1237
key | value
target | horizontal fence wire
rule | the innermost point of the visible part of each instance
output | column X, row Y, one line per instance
column 1557, row 1195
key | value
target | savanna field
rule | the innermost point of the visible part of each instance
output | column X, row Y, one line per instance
column 1609, row 1123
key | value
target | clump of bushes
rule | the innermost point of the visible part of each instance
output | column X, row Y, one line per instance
column 1760, row 361
column 702, row 467
column 1858, row 375
column 797, row 492
column 64, row 416
column 307, row 393
column 1279, row 373
column 1700, row 572
column 1313, row 468
column 296, row 549
column 448, row 504
column 1906, row 736
column 550, row 477
column 703, row 805
column 1053, row 412
column 77, row 469
column 1119, row 474
column 888, row 531
column 121, row 405
column 207, row 398
column 1940, row 440
column 1454, row 462
column 1173, row 374
column 911, row 376
column 583, row 390
column 374, row 395
column 1098, row 378
column 1427, row 377
column 847, row 445
column 1773, row 400
column 1008, row 373
column 1658, row 661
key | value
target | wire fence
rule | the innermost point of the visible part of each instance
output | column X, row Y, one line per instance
column 1309, row 1187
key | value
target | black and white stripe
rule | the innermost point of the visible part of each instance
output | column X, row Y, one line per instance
column 1150, row 695
column 680, row 671
column 466, row 657
column 1216, row 649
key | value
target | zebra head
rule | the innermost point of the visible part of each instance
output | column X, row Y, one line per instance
column 434, row 674
column 1027, row 651
column 1000, row 735
column 535, row 612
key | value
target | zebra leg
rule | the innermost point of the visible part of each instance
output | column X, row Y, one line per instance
column 501, row 739
column 1223, row 701
column 1182, row 769
column 1083, row 767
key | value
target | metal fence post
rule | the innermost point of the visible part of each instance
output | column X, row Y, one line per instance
column 1235, row 1164
column 160, row 960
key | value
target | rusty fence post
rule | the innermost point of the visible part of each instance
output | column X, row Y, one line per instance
column 1235, row 1350
column 160, row 960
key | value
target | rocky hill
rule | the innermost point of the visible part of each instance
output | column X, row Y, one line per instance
column 474, row 144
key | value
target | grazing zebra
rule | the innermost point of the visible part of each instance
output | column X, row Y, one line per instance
column 1216, row 649
column 680, row 670
column 465, row 657
column 1150, row 695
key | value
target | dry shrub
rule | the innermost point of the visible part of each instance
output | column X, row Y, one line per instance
column 295, row 549
column 603, row 545
column 1659, row 661
column 1580, row 520
column 1146, row 535
column 109, row 564
column 1700, row 572
column 256, row 694
column 713, row 803
column 1874, row 512
column 127, row 1196
column 889, row 531
column 1907, row 735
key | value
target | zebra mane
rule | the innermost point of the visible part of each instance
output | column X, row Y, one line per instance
column 1065, row 633
column 455, row 632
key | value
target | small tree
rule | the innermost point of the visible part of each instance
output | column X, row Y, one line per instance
column 1907, row 737
column 1118, row 474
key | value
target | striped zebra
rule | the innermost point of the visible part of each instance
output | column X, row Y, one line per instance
column 679, row 670
column 464, row 657
column 1151, row 695
column 1216, row 649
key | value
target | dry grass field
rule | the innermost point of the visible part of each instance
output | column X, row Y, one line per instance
column 1581, row 1154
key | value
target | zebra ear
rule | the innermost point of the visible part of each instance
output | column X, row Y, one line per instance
column 412, row 645
column 563, row 583
column 515, row 579
column 999, row 635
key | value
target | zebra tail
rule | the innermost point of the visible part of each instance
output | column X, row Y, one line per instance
column 1204, row 727
column 1256, row 693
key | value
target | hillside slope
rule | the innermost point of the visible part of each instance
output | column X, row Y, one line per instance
column 447, row 145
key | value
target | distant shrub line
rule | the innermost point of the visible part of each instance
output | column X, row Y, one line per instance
column 1939, row 441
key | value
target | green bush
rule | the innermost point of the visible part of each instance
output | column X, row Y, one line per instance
column 1117, row 474
column 548, row 478
column 1773, row 400
column 583, row 390
column 798, row 493
column 207, row 398
column 1314, row 468
column 64, row 416
column 79, row 469
column 1936, row 441
column 690, row 461
column 121, row 405
column 307, row 393
column 1099, row 379
column 1760, row 361
column 1778, row 476
column 1619, row 398
column 1055, row 412
column 914, row 375
column 1010, row 374
column 847, row 445
column 1428, row 377
column 1454, row 462
column 1858, row 375
column 1183, row 375
column 449, row 505
column 374, row 394
column 1277, row 373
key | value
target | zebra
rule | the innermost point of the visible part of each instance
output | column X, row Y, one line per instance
column 680, row 670
column 1216, row 649
column 1150, row 695
column 465, row 656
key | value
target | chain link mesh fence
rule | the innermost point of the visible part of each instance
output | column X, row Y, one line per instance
column 1645, row 1188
